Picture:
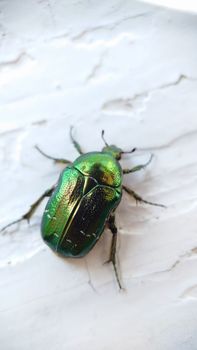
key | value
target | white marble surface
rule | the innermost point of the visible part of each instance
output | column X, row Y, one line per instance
column 131, row 69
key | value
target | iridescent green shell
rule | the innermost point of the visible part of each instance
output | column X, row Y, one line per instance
column 86, row 193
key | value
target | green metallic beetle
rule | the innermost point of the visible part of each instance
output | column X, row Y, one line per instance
column 84, row 201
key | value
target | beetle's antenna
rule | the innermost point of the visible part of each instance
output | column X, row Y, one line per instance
column 102, row 135
column 75, row 143
column 133, row 150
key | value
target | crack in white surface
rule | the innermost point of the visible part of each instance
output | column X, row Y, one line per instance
column 109, row 26
column 12, row 129
column 23, row 56
column 171, row 142
column 16, row 68
column 119, row 104
column 40, row 122
column 174, row 83
column 127, row 104
column 181, row 258
column 96, row 68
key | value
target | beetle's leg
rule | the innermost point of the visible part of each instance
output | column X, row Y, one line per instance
column 56, row 160
column 112, row 256
column 138, row 167
column 140, row 199
column 75, row 143
column 32, row 209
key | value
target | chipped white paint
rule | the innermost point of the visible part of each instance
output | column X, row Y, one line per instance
column 130, row 69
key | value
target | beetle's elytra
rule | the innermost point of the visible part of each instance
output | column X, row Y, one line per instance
column 84, row 201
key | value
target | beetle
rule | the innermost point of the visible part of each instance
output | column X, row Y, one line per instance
column 84, row 200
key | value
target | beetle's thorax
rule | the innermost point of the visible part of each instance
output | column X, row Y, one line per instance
column 102, row 166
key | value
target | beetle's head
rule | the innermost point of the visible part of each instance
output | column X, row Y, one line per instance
column 115, row 151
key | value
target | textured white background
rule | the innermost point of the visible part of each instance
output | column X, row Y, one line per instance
column 131, row 69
